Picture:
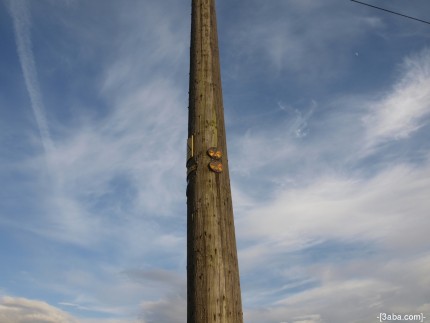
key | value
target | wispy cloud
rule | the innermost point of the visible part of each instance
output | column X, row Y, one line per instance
column 13, row 310
column 402, row 111
column 360, row 207
column 298, row 37
column 119, row 181
column 360, row 289
column 130, row 152
column 22, row 25
column 172, row 309
column 325, row 230
column 337, row 134
column 339, row 242
column 334, row 232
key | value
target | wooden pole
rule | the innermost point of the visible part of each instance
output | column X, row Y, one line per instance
column 212, row 266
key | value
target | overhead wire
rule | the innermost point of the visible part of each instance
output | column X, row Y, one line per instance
column 393, row 12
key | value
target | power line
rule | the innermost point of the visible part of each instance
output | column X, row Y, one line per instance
column 396, row 13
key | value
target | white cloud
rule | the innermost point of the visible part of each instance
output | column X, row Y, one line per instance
column 111, row 321
column 341, row 249
column 172, row 309
column 87, row 160
column 333, row 135
column 122, row 320
column 402, row 111
column 354, row 291
column 337, row 244
column 22, row 310
column 136, row 143
column 269, row 148
column 131, row 153
column 375, row 209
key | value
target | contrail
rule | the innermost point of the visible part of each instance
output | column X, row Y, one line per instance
column 22, row 23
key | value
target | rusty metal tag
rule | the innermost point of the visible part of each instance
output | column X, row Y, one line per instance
column 216, row 166
column 215, row 153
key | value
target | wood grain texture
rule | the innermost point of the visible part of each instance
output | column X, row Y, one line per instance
column 212, row 265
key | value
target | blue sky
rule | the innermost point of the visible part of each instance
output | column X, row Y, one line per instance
column 327, row 108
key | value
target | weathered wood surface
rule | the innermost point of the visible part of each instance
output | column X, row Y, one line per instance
column 212, row 265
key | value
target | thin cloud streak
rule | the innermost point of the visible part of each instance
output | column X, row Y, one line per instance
column 403, row 110
column 22, row 23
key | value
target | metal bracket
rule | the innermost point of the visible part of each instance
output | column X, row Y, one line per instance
column 190, row 147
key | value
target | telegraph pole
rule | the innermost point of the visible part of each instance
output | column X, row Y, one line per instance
column 212, row 267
